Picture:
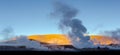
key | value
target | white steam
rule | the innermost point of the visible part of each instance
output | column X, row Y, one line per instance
column 113, row 33
column 71, row 26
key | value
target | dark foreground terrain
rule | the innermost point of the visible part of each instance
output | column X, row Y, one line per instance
column 13, row 48
column 23, row 48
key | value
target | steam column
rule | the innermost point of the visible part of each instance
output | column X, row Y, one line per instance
column 76, row 35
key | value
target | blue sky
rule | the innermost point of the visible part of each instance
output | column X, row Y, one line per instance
column 29, row 17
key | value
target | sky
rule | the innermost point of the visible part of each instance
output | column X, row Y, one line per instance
column 28, row 17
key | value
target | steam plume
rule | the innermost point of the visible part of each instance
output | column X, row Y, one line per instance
column 114, row 33
column 72, row 26
column 7, row 33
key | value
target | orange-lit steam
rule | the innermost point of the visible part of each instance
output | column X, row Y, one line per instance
column 59, row 39
column 103, row 40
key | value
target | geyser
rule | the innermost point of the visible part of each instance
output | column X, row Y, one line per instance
column 72, row 27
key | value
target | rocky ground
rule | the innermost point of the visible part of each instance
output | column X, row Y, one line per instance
column 53, row 48
column 13, row 48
